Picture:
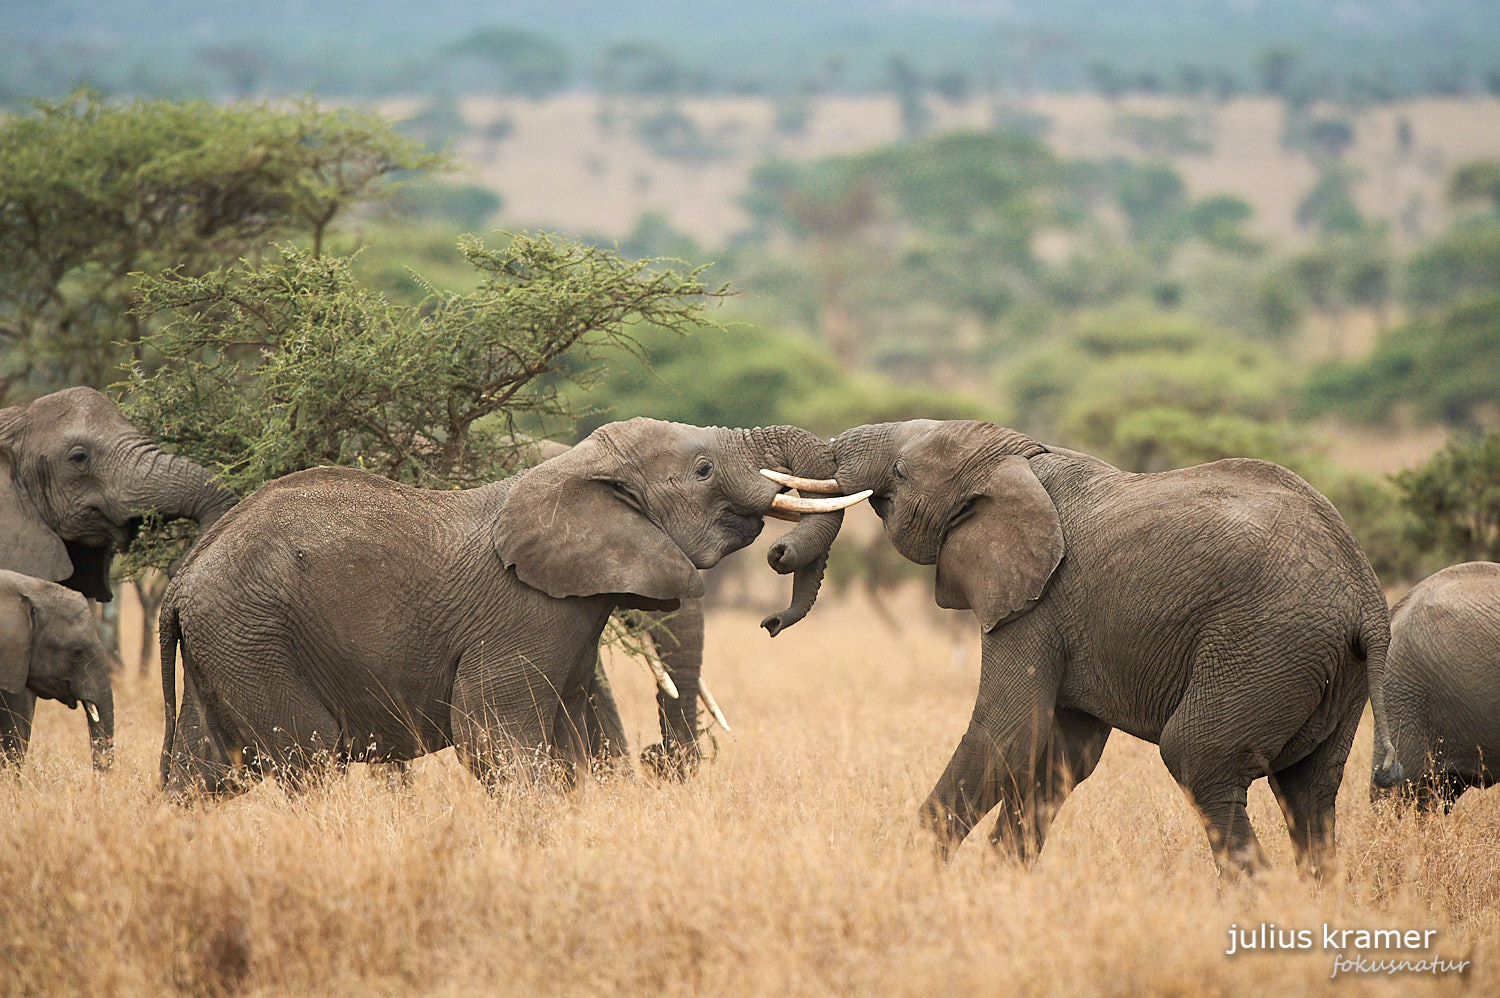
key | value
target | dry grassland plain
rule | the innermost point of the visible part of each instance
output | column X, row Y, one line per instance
column 792, row 864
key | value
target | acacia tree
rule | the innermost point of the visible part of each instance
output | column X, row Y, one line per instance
column 93, row 193
column 290, row 363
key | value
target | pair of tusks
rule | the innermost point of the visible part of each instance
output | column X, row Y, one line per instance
column 785, row 507
column 670, row 688
column 91, row 711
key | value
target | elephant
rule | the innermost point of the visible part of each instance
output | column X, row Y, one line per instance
column 1442, row 687
column 50, row 647
column 1223, row 612
column 336, row 616
column 75, row 479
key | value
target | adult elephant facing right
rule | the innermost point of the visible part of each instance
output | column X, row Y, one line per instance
column 1222, row 611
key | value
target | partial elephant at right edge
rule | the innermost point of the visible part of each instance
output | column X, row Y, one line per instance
column 1442, row 687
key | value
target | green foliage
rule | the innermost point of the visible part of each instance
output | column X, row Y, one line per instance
column 1329, row 205
column 1454, row 500
column 291, row 363
column 1443, row 369
column 1476, row 181
column 1085, row 388
column 93, row 192
column 522, row 62
column 748, row 376
column 1462, row 263
column 465, row 207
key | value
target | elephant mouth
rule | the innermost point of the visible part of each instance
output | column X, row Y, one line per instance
column 881, row 505
column 53, row 689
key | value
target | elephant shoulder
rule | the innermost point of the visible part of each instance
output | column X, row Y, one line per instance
column 1465, row 596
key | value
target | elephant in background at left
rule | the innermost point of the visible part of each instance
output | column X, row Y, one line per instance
column 76, row 478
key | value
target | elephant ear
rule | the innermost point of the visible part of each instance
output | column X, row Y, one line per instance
column 27, row 544
column 997, row 560
column 15, row 641
column 568, row 531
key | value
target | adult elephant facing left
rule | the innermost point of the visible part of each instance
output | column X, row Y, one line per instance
column 340, row 616
column 76, row 478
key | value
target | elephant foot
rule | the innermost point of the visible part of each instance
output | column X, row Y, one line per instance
column 676, row 764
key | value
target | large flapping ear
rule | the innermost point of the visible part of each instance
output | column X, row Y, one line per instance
column 15, row 641
column 27, row 544
column 568, row 531
column 997, row 560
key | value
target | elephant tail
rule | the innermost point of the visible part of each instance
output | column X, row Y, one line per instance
column 170, row 635
column 1372, row 643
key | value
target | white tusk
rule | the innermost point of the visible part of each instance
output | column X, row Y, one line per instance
column 801, row 504
column 781, row 514
column 712, row 705
column 92, row 711
column 825, row 486
column 657, row 669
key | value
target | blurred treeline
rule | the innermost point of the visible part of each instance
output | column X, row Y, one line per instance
column 1366, row 50
column 1091, row 303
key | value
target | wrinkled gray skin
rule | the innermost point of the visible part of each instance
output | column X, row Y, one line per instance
column 1442, row 687
column 1223, row 612
column 75, row 479
column 338, row 616
column 50, row 647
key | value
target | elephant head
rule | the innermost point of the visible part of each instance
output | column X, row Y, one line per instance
column 961, row 495
column 50, row 647
column 75, row 479
column 638, row 507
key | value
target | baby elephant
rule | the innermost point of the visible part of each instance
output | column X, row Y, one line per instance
column 49, row 647
column 1442, row 686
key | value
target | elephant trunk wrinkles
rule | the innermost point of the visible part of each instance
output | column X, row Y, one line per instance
column 102, row 731
column 175, row 487
column 803, row 550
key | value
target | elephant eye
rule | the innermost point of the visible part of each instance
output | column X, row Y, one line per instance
column 704, row 469
column 78, row 456
column 898, row 470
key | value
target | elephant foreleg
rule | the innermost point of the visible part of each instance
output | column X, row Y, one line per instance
column 679, row 641
column 16, row 712
column 1077, row 741
column 997, row 759
column 503, row 719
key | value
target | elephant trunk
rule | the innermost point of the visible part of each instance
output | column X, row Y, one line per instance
column 679, row 642
column 174, row 487
column 98, row 703
column 803, row 550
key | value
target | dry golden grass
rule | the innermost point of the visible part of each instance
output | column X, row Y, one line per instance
column 791, row 865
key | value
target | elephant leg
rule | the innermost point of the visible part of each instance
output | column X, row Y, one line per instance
column 603, row 728
column 1073, row 750
column 997, row 759
column 16, row 712
column 201, row 759
column 502, row 726
column 1307, row 791
column 679, row 641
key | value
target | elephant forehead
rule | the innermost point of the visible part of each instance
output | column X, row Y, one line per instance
column 74, row 410
column 652, row 441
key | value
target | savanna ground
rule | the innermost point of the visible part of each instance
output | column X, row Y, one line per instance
column 792, row 864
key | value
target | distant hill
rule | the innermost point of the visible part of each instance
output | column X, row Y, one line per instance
column 390, row 46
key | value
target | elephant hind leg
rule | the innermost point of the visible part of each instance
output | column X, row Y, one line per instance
column 1307, row 791
column 1077, row 741
column 1204, row 753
